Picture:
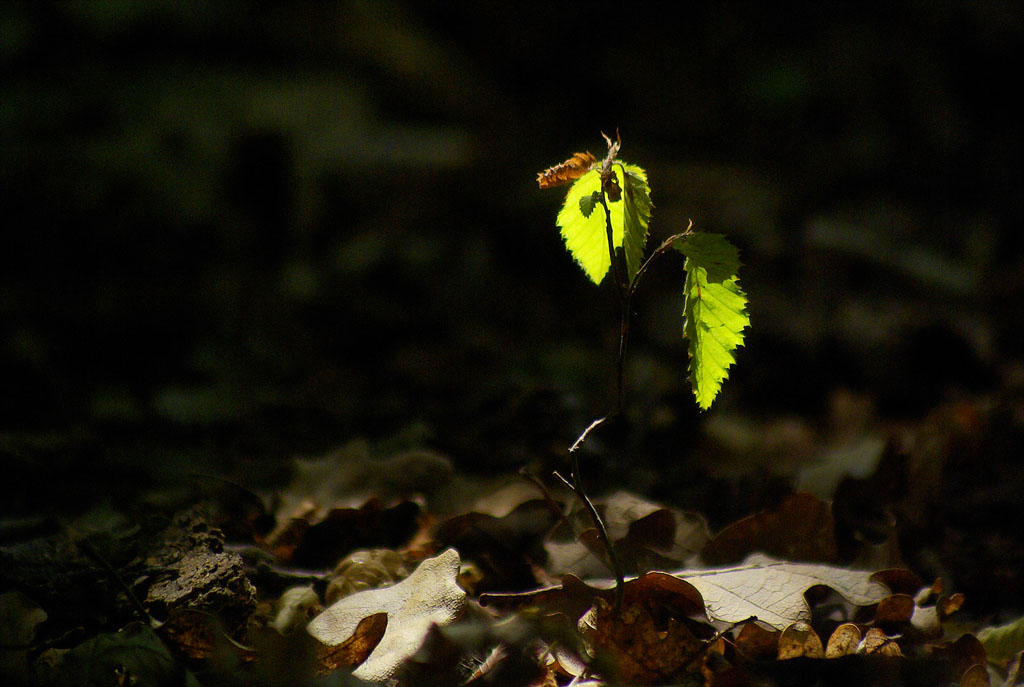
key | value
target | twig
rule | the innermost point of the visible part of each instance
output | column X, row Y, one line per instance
column 583, row 437
column 602, row 532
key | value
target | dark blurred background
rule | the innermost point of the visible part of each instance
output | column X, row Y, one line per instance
column 238, row 232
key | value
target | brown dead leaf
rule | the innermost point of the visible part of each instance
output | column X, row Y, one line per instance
column 637, row 648
column 354, row 650
column 645, row 535
column 191, row 633
column 499, row 545
column 757, row 643
column 948, row 605
column 975, row 676
column 899, row 581
column 800, row 640
column 566, row 172
column 800, row 529
column 430, row 596
column 898, row 608
column 876, row 642
column 844, row 641
column 965, row 652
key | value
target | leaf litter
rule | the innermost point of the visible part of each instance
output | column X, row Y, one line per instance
column 371, row 577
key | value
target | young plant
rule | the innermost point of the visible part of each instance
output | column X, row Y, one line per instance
column 604, row 222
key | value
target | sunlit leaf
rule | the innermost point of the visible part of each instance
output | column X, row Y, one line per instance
column 637, row 217
column 583, row 223
column 715, row 312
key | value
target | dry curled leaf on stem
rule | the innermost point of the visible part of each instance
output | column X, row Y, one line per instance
column 566, row 172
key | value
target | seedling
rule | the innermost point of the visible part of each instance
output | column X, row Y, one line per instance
column 604, row 222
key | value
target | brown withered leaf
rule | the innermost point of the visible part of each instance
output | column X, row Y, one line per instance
column 876, row 642
column 965, row 652
column 636, row 647
column 645, row 535
column 800, row 640
column 900, row 581
column 500, row 545
column 566, row 172
column 948, row 605
column 975, row 676
column 354, row 650
column 800, row 529
column 610, row 186
column 192, row 633
column 844, row 641
column 757, row 643
column 898, row 608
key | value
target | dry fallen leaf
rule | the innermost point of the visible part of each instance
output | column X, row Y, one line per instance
column 801, row 528
column 763, row 588
column 773, row 590
column 357, row 648
column 429, row 596
column 639, row 649
column 844, row 641
column 876, row 642
column 800, row 640
column 755, row 643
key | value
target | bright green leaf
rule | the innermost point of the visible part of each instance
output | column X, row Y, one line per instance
column 713, row 252
column 585, row 236
column 584, row 228
column 637, row 216
column 715, row 316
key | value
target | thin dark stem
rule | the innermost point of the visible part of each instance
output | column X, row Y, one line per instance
column 576, row 485
column 623, row 345
column 665, row 247
column 626, row 289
